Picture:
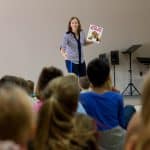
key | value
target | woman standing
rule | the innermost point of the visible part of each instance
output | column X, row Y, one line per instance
column 72, row 48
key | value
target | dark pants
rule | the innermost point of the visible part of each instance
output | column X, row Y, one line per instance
column 129, row 111
column 78, row 69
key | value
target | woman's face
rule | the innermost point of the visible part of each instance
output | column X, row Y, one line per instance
column 74, row 25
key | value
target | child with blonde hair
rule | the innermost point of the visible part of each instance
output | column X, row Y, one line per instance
column 55, row 116
column 17, row 122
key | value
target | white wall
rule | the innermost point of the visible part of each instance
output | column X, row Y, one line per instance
column 31, row 31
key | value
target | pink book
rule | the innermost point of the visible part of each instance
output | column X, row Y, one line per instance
column 95, row 33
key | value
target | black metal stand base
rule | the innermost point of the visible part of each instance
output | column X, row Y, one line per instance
column 131, row 86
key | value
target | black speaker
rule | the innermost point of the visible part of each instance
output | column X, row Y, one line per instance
column 114, row 57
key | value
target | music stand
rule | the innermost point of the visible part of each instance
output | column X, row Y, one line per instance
column 130, row 85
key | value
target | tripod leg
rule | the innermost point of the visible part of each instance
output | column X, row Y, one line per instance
column 136, row 89
column 131, row 92
column 125, row 89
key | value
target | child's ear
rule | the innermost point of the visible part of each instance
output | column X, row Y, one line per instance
column 109, row 83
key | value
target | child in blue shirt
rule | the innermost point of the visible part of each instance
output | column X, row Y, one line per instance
column 103, row 104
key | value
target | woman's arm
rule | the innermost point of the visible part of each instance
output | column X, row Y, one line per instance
column 88, row 43
column 63, row 46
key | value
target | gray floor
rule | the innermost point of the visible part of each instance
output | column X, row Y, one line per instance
column 132, row 100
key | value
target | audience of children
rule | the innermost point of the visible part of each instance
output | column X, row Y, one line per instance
column 51, row 122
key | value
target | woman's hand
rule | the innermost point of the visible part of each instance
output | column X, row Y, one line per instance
column 64, row 54
column 88, row 42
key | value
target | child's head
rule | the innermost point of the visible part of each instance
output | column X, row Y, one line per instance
column 132, row 137
column 65, row 90
column 146, row 100
column 55, row 116
column 138, row 139
column 98, row 71
column 14, row 80
column 84, row 83
column 143, row 142
column 16, row 115
column 73, row 76
column 47, row 74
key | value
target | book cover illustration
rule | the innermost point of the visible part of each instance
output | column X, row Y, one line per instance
column 95, row 33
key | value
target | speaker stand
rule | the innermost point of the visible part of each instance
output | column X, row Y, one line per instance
column 114, row 69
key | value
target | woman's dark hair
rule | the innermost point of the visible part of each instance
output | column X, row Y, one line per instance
column 98, row 71
column 47, row 74
column 69, row 25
